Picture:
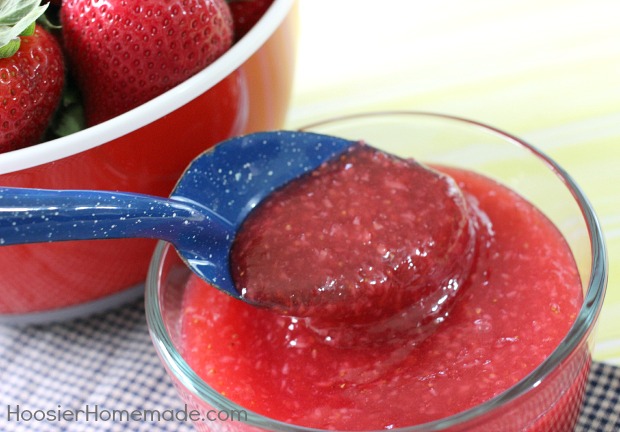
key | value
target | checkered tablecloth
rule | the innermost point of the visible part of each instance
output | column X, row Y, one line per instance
column 107, row 362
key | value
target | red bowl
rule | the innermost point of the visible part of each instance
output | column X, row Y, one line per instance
column 144, row 150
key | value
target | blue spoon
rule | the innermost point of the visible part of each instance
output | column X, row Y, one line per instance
column 202, row 216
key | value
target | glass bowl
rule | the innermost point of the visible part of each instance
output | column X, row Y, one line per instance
column 549, row 398
column 144, row 150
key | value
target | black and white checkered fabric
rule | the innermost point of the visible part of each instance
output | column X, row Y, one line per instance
column 601, row 410
column 107, row 362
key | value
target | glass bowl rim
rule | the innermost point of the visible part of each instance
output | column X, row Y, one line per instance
column 577, row 334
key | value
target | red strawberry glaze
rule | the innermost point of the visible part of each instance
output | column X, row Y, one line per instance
column 521, row 296
column 359, row 241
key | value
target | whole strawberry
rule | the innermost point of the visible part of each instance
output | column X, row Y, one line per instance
column 31, row 75
column 126, row 52
column 246, row 13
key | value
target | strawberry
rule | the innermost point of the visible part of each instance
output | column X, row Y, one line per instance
column 31, row 74
column 126, row 52
column 246, row 13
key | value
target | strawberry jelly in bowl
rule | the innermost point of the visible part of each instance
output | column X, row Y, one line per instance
column 512, row 354
column 144, row 150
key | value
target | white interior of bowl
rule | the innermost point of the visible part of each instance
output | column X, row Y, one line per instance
column 156, row 108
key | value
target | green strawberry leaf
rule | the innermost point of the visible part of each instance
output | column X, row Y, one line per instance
column 17, row 16
column 47, row 23
column 71, row 120
column 69, row 117
column 29, row 31
column 10, row 48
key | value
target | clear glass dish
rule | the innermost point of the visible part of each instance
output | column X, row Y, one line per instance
column 549, row 398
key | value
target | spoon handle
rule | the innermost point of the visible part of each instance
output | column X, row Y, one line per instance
column 40, row 215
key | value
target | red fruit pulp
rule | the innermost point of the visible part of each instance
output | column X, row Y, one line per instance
column 518, row 302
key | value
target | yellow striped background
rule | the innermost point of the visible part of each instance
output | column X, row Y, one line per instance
column 545, row 70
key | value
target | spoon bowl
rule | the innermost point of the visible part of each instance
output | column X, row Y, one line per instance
column 200, row 218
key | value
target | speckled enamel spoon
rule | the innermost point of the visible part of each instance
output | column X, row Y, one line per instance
column 202, row 215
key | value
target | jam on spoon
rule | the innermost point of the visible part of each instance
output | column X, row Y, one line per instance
column 366, row 247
